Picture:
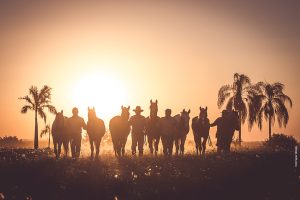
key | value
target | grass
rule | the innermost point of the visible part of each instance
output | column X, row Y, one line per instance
column 244, row 174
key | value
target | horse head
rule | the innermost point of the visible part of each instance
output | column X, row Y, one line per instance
column 91, row 113
column 153, row 108
column 203, row 113
column 125, row 112
column 185, row 117
column 59, row 118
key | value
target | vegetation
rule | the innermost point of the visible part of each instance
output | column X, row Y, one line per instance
column 46, row 131
column 252, row 175
column 38, row 100
column 281, row 142
column 9, row 141
column 272, row 100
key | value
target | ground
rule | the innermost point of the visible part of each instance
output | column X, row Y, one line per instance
column 248, row 174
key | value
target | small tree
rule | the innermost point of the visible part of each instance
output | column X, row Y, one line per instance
column 46, row 131
column 38, row 101
column 273, row 101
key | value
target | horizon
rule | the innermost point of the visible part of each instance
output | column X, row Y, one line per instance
column 179, row 54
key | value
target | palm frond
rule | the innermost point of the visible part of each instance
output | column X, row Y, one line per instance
column 284, row 98
column 223, row 94
column 33, row 91
column 281, row 112
column 42, row 114
column 230, row 102
column 25, row 108
column 27, row 99
column 243, row 111
column 51, row 108
column 45, row 131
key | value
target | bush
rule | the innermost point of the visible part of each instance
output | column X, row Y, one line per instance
column 9, row 141
column 281, row 142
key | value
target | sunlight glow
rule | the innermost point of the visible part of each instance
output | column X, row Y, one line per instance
column 103, row 91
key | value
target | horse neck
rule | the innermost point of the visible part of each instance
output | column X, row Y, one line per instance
column 153, row 115
column 124, row 117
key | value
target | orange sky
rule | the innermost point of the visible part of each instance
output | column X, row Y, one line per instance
column 178, row 53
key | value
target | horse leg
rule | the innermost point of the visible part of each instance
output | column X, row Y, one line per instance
column 59, row 148
column 55, row 148
column 176, row 145
column 66, row 147
column 97, row 144
column 156, row 142
column 150, row 141
column 183, row 138
column 204, row 146
column 92, row 148
column 200, row 146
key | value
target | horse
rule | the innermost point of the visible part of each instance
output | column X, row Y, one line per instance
column 119, row 129
column 201, row 127
column 183, row 128
column 60, row 134
column 152, row 128
column 95, row 130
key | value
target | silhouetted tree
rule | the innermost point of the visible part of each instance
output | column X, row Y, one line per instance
column 46, row 131
column 242, row 96
column 273, row 105
column 38, row 101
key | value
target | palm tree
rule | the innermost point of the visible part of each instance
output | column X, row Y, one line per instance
column 38, row 101
column 46, row 131
column 273, row 105
column 241, row 96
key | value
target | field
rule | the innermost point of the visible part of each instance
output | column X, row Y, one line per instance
column 244, row 174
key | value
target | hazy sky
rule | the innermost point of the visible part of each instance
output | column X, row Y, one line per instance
column 180, row 53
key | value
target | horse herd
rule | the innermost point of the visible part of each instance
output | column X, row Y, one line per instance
column 119, row 128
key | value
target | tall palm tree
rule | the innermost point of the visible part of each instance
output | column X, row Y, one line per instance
column 273, row 106
column 38, row 101
column 46, row 131
column 241, row 96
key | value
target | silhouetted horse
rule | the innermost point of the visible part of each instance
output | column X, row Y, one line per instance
column 152, row 128
column 60, row 134
column 200, row 127
column 95, row 130
column 119, row 129
column 183, row 129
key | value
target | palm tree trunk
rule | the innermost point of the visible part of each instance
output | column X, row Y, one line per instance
column 240, row 130
column 270, row 127
column 49, row 140
column 36, row 143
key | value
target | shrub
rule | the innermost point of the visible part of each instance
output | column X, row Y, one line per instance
column 281, row 142
column 9, row 141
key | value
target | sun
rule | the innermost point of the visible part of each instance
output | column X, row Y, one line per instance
column 103, row 91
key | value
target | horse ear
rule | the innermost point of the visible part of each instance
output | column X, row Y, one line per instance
column 156, row 101
column 189, row 111
column 206, row 108
column 93, row 108
column 128, row 107
column 62, row 111
column 200, row 107
column 183, row 110
column 151, row 101
column 122, row 107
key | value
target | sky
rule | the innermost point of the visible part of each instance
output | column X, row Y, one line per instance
column 107, row 54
